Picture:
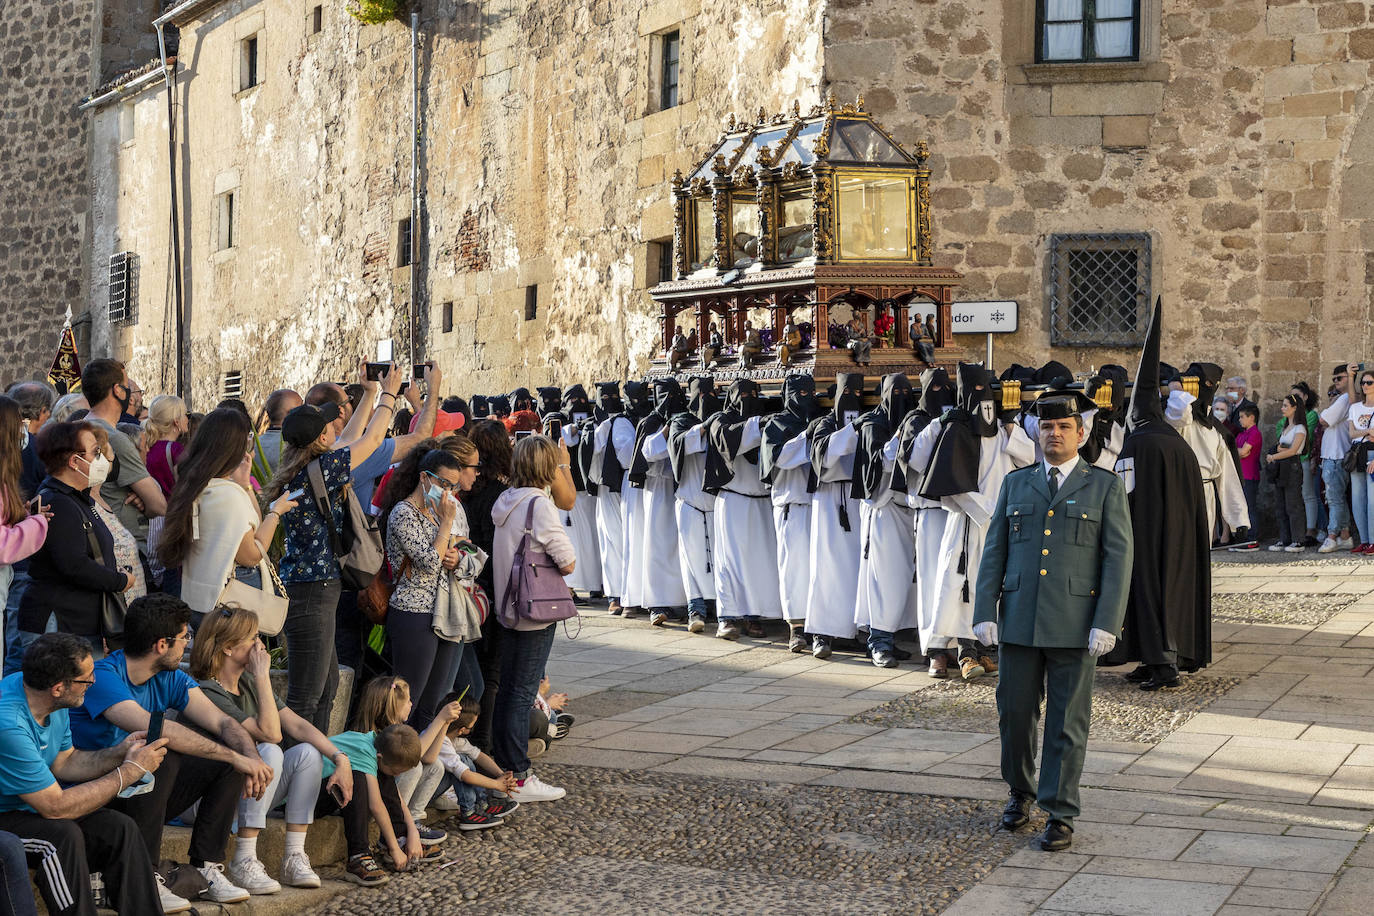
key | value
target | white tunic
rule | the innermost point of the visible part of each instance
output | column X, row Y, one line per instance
column 617, row 433
column 1221, row 483
column 695, row 513
column 632, row 542
column 581, row 528
column 887, row 598
column 961, row 543
column 834, row 579
column 658, row 538
column 792, row 525
column 745, row 544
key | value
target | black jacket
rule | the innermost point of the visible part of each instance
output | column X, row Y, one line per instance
column 477, row 503
column 67, row 579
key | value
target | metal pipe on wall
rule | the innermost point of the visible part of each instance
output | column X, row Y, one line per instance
column 178, row 294
column 415, row 227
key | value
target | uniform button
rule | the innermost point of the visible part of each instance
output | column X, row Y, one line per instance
column 1085, row 515
column 1047, row 532
column 1043, row 571
column 1092, row 591
column 1049, row 514
column 1045, row 552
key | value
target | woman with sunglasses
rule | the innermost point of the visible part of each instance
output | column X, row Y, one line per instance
column 1361, row 420
column 424, row 528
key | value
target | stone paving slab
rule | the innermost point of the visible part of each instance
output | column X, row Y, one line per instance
column 1122, row 896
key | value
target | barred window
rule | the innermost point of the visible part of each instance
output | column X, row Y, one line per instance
column 1086, row 30
column 123, row 287
column 1099, row 289
column 233, row 383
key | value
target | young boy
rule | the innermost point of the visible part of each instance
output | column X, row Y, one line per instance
column 471, row 773
column 389, row 752
column 1249, row 446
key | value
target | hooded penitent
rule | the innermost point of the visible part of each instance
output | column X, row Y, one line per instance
column 521, row 399
column 1169, row 615
column 937, row 394
column 799, row 407
column 607, row 472
column 702, row 405
column 479, row 406
column 849, row 390
column 639, row 400
column 725, row 431
column 876, row 428
column 550, row 400
column 500, row 406
column 1105, row 417
column 954, row 461
column 575, row 411
column 668, row 402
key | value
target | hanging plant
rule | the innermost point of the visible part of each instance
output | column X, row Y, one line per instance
column 373, row 12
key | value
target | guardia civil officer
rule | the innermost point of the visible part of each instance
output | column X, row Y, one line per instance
column 1052, row 590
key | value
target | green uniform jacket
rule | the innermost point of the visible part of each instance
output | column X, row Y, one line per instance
column 1059, row 567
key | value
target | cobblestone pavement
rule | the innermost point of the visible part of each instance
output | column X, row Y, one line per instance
column 633, row 843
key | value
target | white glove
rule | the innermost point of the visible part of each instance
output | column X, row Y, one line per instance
column 1100, row 642
column 985, row 633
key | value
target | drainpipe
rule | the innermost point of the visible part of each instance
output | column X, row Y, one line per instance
column 178, row 294
column 414, row 173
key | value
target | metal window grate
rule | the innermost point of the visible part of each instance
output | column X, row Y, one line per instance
column 233, row 383
column 1099, row 289
column 123, row 287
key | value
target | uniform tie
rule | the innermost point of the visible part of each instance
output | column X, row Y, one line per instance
column 1054, row 482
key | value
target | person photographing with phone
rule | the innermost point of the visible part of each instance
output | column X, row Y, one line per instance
column 23, row 527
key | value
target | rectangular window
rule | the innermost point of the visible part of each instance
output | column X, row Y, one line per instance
column 248, row 63
column 531, row 302
column 447, row 317
column 123, row 287
column 671, row 47
column 405, row 243
column 1087, row 30
column 1099, row 289
column 317, row 20
column 233, row 383
column 660, row 266
column 227, row 219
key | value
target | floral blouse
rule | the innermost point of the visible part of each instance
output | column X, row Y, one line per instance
column 125, row 552
column 411, row 533
column 308, row 557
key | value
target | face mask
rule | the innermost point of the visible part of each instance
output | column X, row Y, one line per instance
column 1233, row 395
column 125, row 401
column 1221, row 413
column 434, row 497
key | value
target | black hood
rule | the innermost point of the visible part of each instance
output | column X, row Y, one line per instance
column 799, row 409
column 479, row 407
column 1018, row 373
column 742, row 397
column 521, row 399
column 500, row 406
column 896, row 398
column 668, row 398
column 1146, row 409
column 799, row 397
column 937, row 392
column 849, row 396
column 1208, row 380
column 702, row 400
column 550, row 399
column 1053, row 374
column 575, row 401
column 608, row 402
column 978, row 399
column 638, row 400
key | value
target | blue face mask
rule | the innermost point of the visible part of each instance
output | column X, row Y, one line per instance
column 434, row 496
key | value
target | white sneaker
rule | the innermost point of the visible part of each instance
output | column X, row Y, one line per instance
column 296, row 871
column 171, row 903
column 446, row 802
column 532, row 789
column 1277, row 547
column 1345, row 544
column 1328, row 546
column 221, row 889
column 1295, row 547
column 250, row 875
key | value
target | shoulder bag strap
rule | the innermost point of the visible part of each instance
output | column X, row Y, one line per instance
column 321, row 494
column 170, row 463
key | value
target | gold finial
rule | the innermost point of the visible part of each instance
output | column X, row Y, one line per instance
column 763, row 116
column 677, row 179
column 830, row 104
column 922, row 151
column 860, row 102
column 720, row 166
column 796, row 108
column 730, row 124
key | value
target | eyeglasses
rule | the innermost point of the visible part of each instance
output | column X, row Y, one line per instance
column 88, row 681
column 472, row 466
column 1367, row 381
column 443, row 484
column 188, row 639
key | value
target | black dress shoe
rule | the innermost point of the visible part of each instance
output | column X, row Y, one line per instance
column 1017, row 812
column 1057, row 836
column 1158, row 683
column 1140, row 675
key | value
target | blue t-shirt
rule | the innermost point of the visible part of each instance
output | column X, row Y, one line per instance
column 308, row 557
column 91, row 731
column 360, row 749
column 27, row 749
column 366, row 475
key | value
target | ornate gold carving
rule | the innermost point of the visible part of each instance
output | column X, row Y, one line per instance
column 791, row 171
column 1190, row 384
column 859, row 103
column 823, row 214
column 1011, row 394
column 762, row 118
column 767, row 198
column 922, row 152
column 796, row 108
column 680, row 260
column 700, row 187
column 720, row 211
column 830, row 104
column 720, row 166
column 925, row 241
column 730, row 124
column 1103, row 396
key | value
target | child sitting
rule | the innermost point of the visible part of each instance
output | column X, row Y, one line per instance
column 551, row 706
column 386, row 754
column 471, row 773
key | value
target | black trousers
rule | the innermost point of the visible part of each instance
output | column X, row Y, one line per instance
column 180, row 782
column 489, row 660
column 356, row 812
column 65, row 852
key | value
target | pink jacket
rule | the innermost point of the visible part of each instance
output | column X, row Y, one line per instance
column 21, row 541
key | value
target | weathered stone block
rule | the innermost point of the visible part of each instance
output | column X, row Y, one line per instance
column 973, row 168
column 1106, row 197
column 1028, row 100
column 989, row 254
column 1295, row 128
column 1288, row 81
column 1202, row 187
column 1323, row 46
column 1052, row 131
column 1126, row 132
column 1291, row 20
column 1285, row 267
column 1106, row 99
column 1045, row 194
column 1362, row 44
column 1229, row 216
column 1026, row 160
column 1313, row 104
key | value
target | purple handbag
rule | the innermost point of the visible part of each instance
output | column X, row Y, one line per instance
column 536, row 592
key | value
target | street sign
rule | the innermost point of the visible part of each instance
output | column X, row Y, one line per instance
column 990, row 317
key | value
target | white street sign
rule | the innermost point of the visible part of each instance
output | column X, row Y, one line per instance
column 991, row 317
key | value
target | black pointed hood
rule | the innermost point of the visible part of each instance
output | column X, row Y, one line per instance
column 668, row 398
column 608, row 402
column 1145, row 406
column 849, row 396
column 638, row 400
column 1053, row 374
column 875, row 429
column 896, row 398
column 550, row 400
column 479, row 406
column 574, row 401
column 799, row 407
column 521, row 399
column 500, row 406
column 978, row 399
column 1208, row 380
column 743, row 397
column 702, row 400
column 937, row 392
column 799, row 397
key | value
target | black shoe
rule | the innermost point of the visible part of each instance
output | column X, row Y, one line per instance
column 1140, row 675
column 902, row 655
column 797, row 641
column 1058, row 835
column 1017, row 812
column 1161, row 683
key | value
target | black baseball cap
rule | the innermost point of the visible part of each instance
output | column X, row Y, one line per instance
column 303, row 425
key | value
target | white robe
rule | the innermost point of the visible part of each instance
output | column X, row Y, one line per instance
column 964, row 532
column 695, row 511
column 617, row 433
column 1221, row 483
column 834, row 554
column 887, row 595
column 632, row 543
column 792, row 525
column 658, row 538
column 746, row 546
column 581, row 527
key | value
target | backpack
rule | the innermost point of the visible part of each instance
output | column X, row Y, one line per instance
column 358, row 548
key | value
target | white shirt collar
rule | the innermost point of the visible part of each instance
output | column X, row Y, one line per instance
column 1065, row 469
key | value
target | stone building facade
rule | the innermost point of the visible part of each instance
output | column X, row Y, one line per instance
column 1238, row 145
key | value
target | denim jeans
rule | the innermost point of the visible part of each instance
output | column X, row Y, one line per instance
column 470, row 797
column 1310, row 501
column 470, row 674
column 524, row 655
column 881, row 640
column 1337, row 481
column 16, row 895
column 1362, row 505
column 1251, row 489
column 14, row 650
column 428, row 662
column 696, row 607
column 1288, row 496
column 312, row 667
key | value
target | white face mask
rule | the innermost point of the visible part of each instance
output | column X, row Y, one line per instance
column 98, row 471
column 1233, row 395
column 1221, row 413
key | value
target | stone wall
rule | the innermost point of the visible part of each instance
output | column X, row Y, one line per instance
column 46, row 66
